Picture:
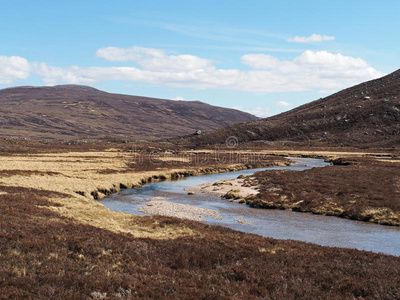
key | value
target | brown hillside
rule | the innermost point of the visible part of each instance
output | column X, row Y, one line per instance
column 70, row 111
column 366, row 115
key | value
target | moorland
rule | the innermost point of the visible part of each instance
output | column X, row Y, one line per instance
column 57, row 241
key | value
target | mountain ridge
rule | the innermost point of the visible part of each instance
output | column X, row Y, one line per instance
column 71, row 111
column 365, row 115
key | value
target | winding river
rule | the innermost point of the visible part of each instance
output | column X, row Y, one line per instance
column 279, row 224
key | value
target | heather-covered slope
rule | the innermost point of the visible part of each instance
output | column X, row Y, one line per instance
column 72, row 111
column 366, row 115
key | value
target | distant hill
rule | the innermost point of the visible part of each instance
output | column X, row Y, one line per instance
column 71, row 111
column 363, row 116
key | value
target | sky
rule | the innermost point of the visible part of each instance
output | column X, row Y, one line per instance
column 263, row 57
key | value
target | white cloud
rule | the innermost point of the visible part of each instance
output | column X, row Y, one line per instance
column 154, row 59
column 283, row 103
column 52, row 75
column 13, row 68
column 179, row 98
column 311, row 70
column 261, row 112
column 313, row 38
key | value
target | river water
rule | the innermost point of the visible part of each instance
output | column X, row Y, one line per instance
column 279, row 224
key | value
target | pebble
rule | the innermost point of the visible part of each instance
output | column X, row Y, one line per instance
column 241, row 221
column 183, row 211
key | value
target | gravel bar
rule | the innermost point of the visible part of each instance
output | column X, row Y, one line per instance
column 157, row 206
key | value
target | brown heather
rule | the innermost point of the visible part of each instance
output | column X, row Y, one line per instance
column 55, row 243
column 72, row 111
column 365, row 189
column 47, row 256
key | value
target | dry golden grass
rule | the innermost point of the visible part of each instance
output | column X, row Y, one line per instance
column 86, row 176
column 69, row 173
column 72, row 172
column 389, row 160
column 90, row 212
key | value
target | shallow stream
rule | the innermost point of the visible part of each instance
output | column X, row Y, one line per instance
column 279, row 224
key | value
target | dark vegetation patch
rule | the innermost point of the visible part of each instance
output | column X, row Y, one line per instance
column 44, row 255
column 7, row 173
column 212, row 162
column 349, row 190
column 18, row 146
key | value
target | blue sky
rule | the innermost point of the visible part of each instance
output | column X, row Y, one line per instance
column 263, row 57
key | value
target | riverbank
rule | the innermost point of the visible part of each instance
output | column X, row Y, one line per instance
column 364, row 189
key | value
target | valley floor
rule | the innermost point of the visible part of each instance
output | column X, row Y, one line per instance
column 57, row 242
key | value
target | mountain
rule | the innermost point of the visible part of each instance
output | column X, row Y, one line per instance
column 363, row 116
column 70, row 111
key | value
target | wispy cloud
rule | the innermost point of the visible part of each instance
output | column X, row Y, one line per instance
column 233, row 48
column 313, row 38
column 206, row 30
column 224, row 34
